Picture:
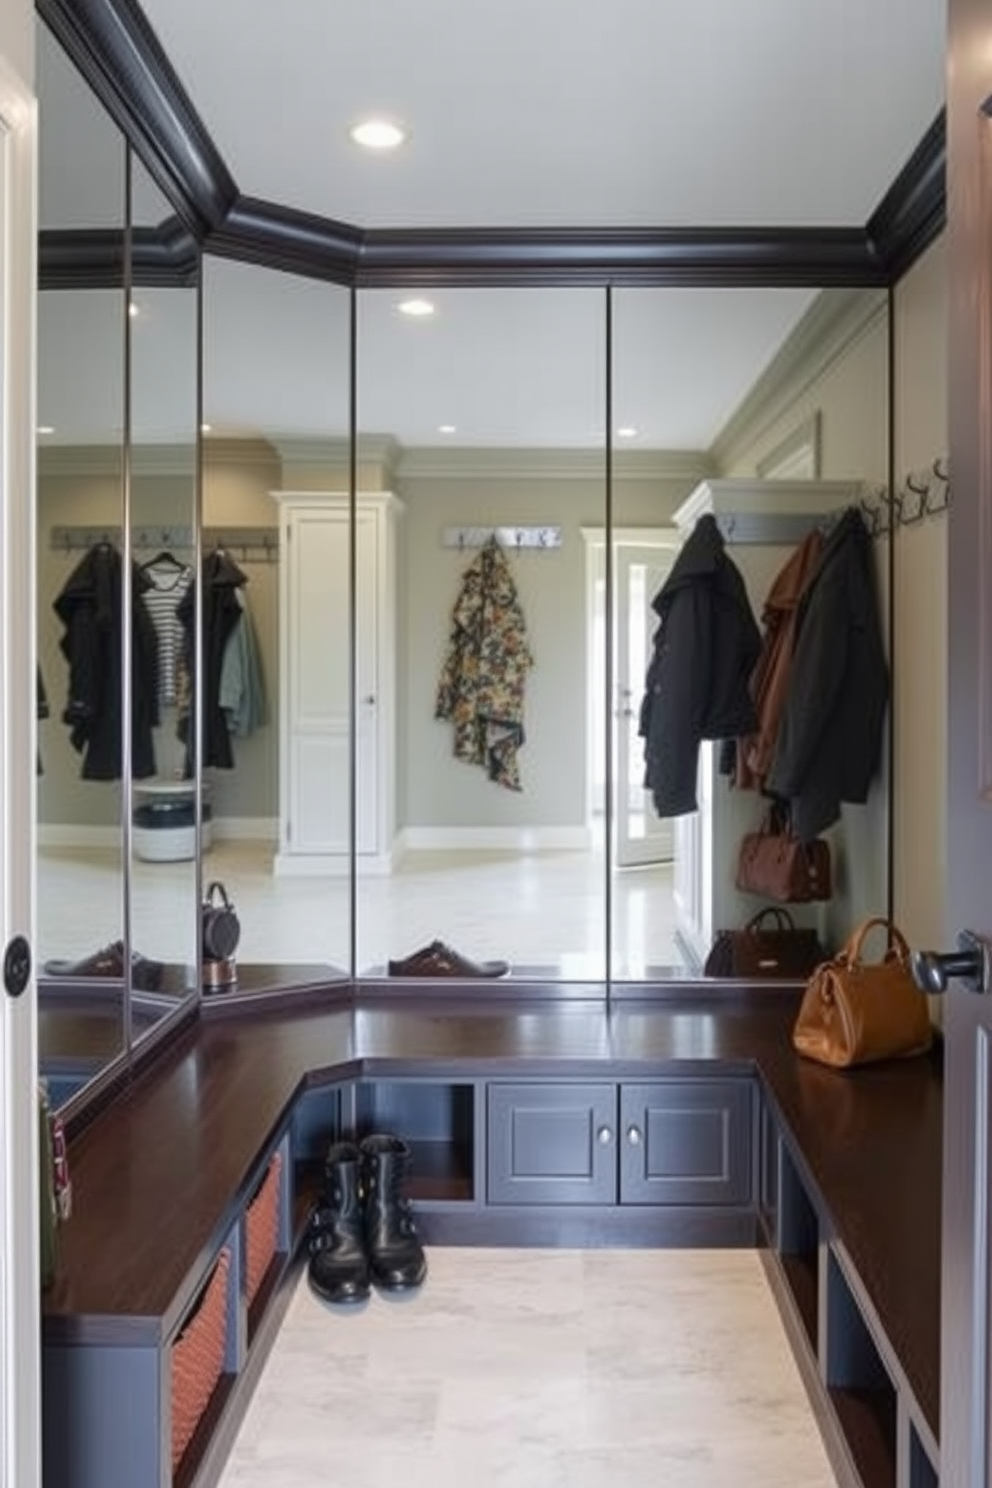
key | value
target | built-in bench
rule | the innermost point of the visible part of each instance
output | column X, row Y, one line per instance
column 680, row 1119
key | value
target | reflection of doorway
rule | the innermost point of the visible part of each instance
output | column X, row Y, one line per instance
column 642, row 559
column 641, row 836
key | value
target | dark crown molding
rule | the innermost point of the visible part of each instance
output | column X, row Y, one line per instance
column 116, row 50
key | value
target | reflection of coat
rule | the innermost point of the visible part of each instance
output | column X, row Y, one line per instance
column 481, row 689
column 89, row 607
column 831, row 730
column 770, row 682
column 221, row 613
column 705, row 648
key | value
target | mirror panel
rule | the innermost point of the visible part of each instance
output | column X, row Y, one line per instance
column 276, row 400
column 480, row 808
column 769, row 408
column 163, row 513
column 80, row 896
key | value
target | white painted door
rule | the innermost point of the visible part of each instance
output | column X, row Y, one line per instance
column 641, row 836
column 318, row 698
column 20, row 1465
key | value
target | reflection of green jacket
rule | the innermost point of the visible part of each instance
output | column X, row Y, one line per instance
column 481, row 689
column 242, row 688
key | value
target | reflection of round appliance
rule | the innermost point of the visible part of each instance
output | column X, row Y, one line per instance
column 163, row 821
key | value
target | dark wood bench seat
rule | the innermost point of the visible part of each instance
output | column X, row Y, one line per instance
column 160, row 1172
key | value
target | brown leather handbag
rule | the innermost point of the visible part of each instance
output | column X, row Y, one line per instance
column 777, row 865
column 854, row 1012
column 770, row 945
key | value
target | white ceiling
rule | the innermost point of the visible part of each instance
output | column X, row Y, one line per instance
column 647, row 112
column 576, row 112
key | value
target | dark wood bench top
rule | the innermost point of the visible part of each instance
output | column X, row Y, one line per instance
column 157, row 1176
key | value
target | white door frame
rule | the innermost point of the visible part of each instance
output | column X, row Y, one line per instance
column 20, row 1368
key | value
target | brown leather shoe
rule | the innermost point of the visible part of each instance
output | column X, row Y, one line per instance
column 439, row 960
column 108, row 964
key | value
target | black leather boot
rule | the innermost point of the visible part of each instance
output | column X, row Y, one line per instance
column 339, row 1267
column 396, row 1256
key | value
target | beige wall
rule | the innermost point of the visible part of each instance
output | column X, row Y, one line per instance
column 437, row 790
column 17, row 37
column 920, row 704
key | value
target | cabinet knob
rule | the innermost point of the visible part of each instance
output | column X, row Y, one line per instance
column 634, row 1136
column 604, row 1136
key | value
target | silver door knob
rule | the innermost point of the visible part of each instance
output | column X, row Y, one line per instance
column 634, row 1136
column 604, row 1136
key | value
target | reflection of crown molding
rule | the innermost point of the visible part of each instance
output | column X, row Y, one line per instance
column 80, row 459
column 551, row 464
column 242, row 450
column 373, row 449
column 836, row 319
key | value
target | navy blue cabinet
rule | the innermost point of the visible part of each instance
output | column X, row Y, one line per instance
column 660, row 1142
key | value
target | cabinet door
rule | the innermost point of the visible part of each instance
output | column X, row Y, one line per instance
column 552, row 1144
column 686, row 1142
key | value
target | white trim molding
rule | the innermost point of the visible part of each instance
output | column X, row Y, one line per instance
column 495, row 839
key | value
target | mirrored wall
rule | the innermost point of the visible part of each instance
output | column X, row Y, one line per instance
column 408, row 551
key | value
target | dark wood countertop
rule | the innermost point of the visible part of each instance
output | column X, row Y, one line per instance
column 157, row 1174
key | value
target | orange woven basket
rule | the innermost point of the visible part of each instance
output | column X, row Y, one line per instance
column 198, row 1358
column 262, row 1229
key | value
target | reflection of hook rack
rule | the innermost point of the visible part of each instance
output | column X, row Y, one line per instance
column 543, row 538
column 924, row 493
column 252, row 544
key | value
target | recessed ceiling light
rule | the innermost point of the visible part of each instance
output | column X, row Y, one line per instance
column 627, row 432
column 206, row 428
column 46, row 429
column 417, row 307
column 378, row 134
column 446, row 429
column 133, row 310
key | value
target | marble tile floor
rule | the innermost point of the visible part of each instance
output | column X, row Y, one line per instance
column 543, row 910
column 538, row 1369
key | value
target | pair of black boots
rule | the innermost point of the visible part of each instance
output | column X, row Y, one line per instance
column 362, row 1231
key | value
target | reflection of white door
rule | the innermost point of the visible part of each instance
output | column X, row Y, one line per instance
column 641, row 569
column 315, row 682
column 20, row 1410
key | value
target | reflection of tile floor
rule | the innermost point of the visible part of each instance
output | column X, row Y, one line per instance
column 547, row 1368
column 542, row 910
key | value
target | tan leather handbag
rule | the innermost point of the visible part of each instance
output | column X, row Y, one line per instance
column 855, row 1012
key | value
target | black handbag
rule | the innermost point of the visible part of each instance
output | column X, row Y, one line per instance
column 770, row 945
column 220, row 928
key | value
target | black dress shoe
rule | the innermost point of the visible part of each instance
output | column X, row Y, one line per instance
column 338, row 1269
column 439, row 960
column 108, row 964
column 396, row 1256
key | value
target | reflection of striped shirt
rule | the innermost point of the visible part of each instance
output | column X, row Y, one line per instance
column 169, row 584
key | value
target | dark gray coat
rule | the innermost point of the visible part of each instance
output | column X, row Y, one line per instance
column 830, row 734
column 705, row 649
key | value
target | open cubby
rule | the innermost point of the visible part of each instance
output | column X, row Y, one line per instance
column 859, row 1385
column 798, row 1243
column 922, row 1473
column 437, row 1119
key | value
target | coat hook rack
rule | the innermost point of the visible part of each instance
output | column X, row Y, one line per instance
column 538, row 538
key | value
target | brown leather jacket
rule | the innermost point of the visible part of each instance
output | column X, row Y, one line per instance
column 770, row 678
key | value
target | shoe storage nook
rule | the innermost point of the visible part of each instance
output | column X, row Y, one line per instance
column 147, row 1373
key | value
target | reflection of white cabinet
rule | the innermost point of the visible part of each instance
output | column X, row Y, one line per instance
column 315, row 681
column 762, row 521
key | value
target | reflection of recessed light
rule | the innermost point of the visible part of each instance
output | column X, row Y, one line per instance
column 205, row 428
column 46, row 429
column 446, row 428
column 627, row 432
column 378, row 134
column 417, row 307
column 133, row 310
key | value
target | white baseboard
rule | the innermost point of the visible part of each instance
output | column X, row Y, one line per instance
column 72, row 834
column 500, row 839
column 245, row 828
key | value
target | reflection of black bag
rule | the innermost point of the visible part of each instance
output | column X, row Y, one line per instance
column 220, row 927
column 760, row 952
